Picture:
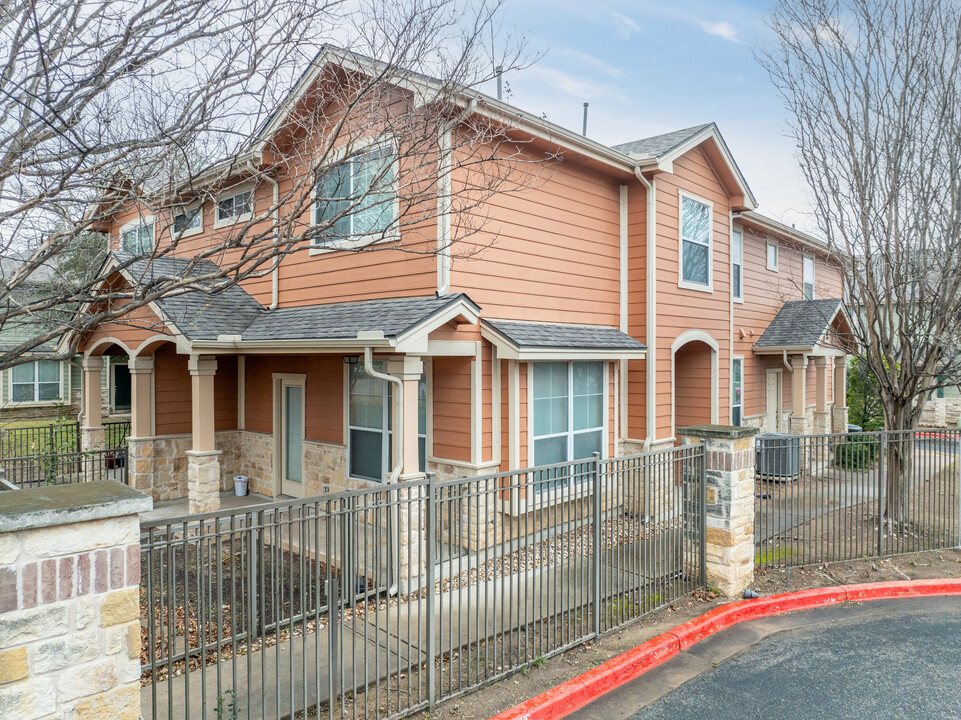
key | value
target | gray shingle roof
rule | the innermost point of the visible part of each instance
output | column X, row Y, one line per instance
column 339, row 321
column 554, row 335
column 799, row 323
column 659, row 145
column 198, row 314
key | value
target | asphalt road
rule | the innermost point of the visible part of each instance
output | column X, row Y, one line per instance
column 891, row 659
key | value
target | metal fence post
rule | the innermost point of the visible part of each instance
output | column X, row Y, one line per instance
column 596, row 555
column 882, row 485
column 431, row 599
column 702, row 514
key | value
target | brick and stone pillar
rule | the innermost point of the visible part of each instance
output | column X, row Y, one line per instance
column 70, row 602
column 839, row 413
column 822, row 415
column 91, row 432
column 140, row 449
column 203, row 459
column 729, row 461
column 798, row 423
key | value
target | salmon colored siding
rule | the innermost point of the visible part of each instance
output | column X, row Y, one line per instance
column 505, row 417
column 637, row 310
column 692, row 362
column 225, row 393
column 487, row 404
column 172, row 392
column 452, row 407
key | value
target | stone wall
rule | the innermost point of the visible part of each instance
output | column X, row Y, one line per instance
column 941, row 412
column 69, row 604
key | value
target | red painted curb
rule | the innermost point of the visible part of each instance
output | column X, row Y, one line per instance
column 574, row 694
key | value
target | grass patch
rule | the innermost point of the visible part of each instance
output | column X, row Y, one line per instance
column 772, row 557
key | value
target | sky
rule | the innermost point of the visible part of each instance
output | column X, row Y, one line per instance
column 652, row 66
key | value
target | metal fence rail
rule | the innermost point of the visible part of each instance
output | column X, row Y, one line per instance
column 62, row 468
column 826, row 498
column 32, row 440
column 379, row 602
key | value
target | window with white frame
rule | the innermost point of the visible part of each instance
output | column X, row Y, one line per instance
column 236, row 207
column 568, row 411
column 772, row 256
column 695, row 242
column 808, row 270
column 37, row 381
column 188, row 221
column 356, row 198
column 137, row 238
column 370, row 424
column 737, row 391
column 737, row 265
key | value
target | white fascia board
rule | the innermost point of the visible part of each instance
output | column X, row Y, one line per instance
column 667, row 160
column 280, row 347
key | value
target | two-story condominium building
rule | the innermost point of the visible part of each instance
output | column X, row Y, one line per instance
column 631, row 291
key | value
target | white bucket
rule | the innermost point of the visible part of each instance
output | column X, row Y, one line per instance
column 240, row 485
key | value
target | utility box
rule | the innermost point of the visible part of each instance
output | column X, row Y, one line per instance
column 778, row 456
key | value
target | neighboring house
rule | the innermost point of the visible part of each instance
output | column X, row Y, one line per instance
column 631, row 293
column 942, row 408
column 39, row 387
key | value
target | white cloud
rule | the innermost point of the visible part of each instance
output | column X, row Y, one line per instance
column 583, row 88
column 588, row 60
column 625, row 26
column 721, row 29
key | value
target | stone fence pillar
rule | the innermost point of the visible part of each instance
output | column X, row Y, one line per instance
column 70, row 602
column 729, row 461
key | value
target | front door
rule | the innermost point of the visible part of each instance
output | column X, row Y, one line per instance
column 121, row 388
column 773, row 413
column 289, row 434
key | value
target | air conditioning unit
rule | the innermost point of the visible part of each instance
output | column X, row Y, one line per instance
column 778, row 455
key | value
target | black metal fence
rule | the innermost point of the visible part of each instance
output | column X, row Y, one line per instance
column 826, row 498
column 380, row 602
column 52, row 455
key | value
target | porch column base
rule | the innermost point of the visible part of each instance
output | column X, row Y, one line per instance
column 729, row 461
column 822, row 422
column 203, row 481
column 839, row 420
column 92, row 438
column 799, row 425
column 140, row 464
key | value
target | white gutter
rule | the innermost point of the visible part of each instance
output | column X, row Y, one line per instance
column 398, row 448
column 444, row 183
column 275, row 212
column 790, row 368
column 651, row 303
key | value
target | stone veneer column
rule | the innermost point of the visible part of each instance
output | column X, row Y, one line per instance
column 798, row 424
column 839, row 413
column 203, row 459
column 822, row 416
column 91, row 433
column 140, row 448
column 729, row 460
column 70, row 602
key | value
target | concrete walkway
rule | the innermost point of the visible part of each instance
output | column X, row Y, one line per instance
column 168, row 509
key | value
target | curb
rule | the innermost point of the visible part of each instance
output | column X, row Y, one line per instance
column 574, row 694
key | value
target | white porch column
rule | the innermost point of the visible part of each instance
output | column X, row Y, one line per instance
column 140, row 449
column 798, row 423
column 92, row 436
column 408, row 370
column 203, row 459
column 822, row 417
column 839, row 414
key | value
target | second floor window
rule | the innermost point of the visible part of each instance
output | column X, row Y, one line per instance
column 737, row 265
column 772, row 257
column 356, row 197
column 695, row 242
column 235, row 207
column 808, row 289
column 137, row 239
column 37, row 381
column 186, row 222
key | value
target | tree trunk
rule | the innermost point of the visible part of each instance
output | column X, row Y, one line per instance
column 898, row 457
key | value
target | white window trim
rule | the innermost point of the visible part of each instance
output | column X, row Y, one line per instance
column 127, row 227
column 183, row 211
column 338, row 157
column 279, row 382
column 734, row 359
column 577, row 490
column 235, row 190
column 777, row 256
column 681, row 282
column 35, row 403
column 805, row 259
column 736, row 298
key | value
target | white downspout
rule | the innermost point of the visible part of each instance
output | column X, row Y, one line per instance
column 399, row 449
column 275, row 212
column 622, row 374
column 651, row 302
column 444, row 183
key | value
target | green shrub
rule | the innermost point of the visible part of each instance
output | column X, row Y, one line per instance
column 856, row 453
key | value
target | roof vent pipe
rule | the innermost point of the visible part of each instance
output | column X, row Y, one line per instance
column 499, row 73
column 584, row 132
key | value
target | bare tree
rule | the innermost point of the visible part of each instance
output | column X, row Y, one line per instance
column 874, row 93
column 117, row 109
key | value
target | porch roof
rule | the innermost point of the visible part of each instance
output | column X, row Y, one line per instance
column 524, row 340
column 800, row 325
